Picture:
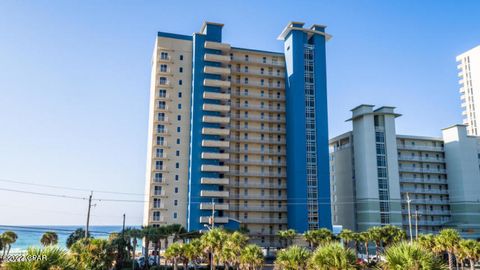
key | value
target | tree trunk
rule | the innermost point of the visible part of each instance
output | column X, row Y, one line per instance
column 450, row 261
column 377, row 250
column 356, row 249
column 472, row 264
column 366, row 252
column 175, row 264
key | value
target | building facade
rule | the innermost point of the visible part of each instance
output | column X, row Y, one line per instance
column 377, row 174
column 239, row 133
column 469, row 73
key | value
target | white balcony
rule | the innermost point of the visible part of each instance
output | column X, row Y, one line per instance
column 216, row 107
column 218, row 206
column 214, row 193
column 214, row 168
column 216, row 58
column 216, row 83
column 215, row 143
column 216, row 96
column 215, row 119
column 217, row 220
column 268, row 62
column 217, row 46
column 210, row 155
column 215, row 131
column 216, row 70
column 214, row 181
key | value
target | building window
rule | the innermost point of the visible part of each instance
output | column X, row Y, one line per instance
column 162, row 93
column 163, row 68
column 179, row 106
column 180, row 82
column 175, row 215
column 156, row 216
column 178, row 141
column 179, row 117
column 178, row 129
column 175, row 202
column 177, row 153
column 164, row 55
column 246, row 57
column 177, row 165
column 246, row 80
column 163, row 80
column 180, row 70
column 181, row 57
column 176, row 190
column 179, row 94
column 176, row 177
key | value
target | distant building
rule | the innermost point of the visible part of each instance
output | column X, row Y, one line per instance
column 374, row 170
column 221, row 131
column 469, row 67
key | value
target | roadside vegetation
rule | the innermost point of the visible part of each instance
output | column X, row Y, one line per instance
column 172, row 247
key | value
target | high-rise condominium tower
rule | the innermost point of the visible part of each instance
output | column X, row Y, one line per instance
column 239, row 131
column 469, row 66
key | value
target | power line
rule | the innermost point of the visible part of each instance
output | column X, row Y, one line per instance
column 68, row 188
column 43, row 194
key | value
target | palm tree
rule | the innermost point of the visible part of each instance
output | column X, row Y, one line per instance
column 346, row 235
column 408, row 256
column 292, row 258
column 447, row 240
column 251, row 258
column 318, row 237
column 8, row 238
column 470, row 250
column 93, row 254
column 376, row 234
column 75, row 236
column 193, row 252
column 49, row 239
column 287, row 236
column 213, row 242
column 175, row 253
column 366, row 237
column 333, row 256
column 356, row 239
column 391, row 235
column 231, row 250
column 427, row 242
column 52, row 258
column 134, row 235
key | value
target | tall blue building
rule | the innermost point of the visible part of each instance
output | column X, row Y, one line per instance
column 239, row 133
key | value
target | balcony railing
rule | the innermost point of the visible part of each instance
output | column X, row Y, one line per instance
column 259, row 174
column 420, row 147
column 258, row 96
column 258, row 107
column 259, row 118
column 422, row 159
column 269, row 62
column 257, row 151
column 421, row 170
column 264, row 141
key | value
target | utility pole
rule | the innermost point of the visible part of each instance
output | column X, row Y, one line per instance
column 88, row 213
column 123, row 227
column 409, row 217
column 213, row 226
column 213, row 213
column 416, row 224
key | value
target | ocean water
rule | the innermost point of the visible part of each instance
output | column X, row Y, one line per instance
column 29, row 236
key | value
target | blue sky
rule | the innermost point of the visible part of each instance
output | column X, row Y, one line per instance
column 74, row 82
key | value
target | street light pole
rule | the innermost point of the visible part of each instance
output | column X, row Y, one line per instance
column 409, row 217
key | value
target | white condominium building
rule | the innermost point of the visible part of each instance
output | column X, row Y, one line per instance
column 469, row 73
column 374, row 172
